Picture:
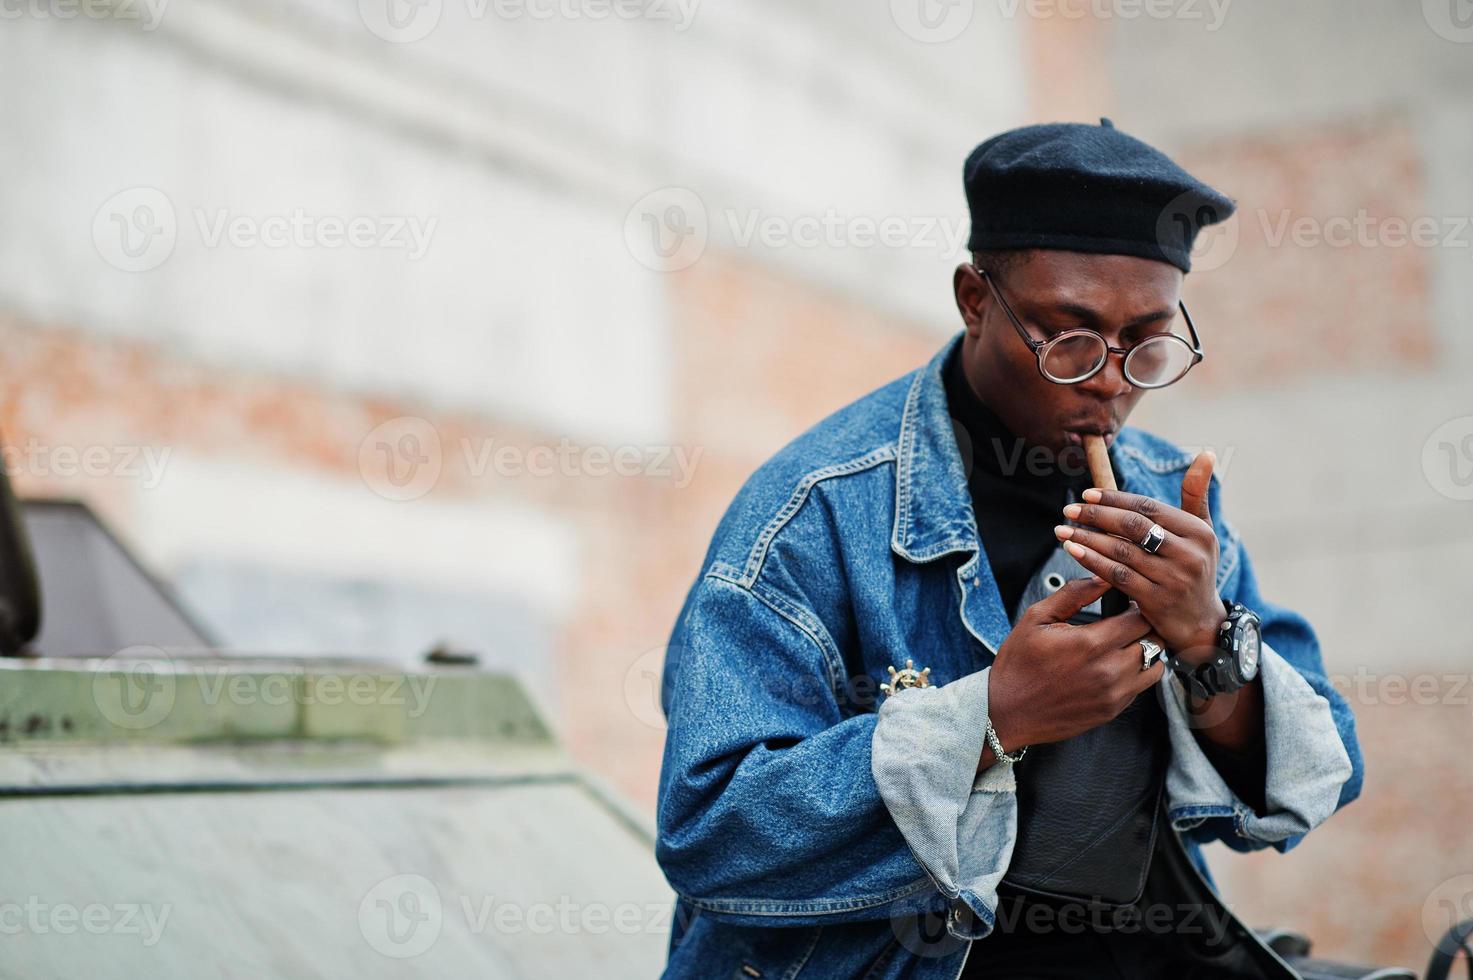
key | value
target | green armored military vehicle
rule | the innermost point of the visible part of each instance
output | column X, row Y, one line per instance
column 167, row 810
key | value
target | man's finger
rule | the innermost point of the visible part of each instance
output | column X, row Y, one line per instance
column 1171, row 518
column 1118, row 574
column 1069, row 599
column 1141, row 561
column 1116, row 631
column 1128, row 524
column 1195, row 484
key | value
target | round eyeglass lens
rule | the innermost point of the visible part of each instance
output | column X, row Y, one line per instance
column 1158, row 361
column 1072, row 357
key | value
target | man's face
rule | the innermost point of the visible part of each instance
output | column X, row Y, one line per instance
column 1120, row 296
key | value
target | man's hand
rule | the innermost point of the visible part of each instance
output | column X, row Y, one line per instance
column 1052, row 681
column 1175, row 588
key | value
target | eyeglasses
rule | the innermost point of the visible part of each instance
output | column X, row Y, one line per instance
column 1076, row 355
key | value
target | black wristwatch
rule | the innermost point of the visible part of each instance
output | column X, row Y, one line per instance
column 1235, row 662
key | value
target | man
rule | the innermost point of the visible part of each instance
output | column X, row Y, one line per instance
column 813, row 825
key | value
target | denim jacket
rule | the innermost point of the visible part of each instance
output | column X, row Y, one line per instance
column 806, row 822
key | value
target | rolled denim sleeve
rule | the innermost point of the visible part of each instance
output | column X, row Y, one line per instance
column 959, row 824
column 1314, row 764
column 768, row 812
column 1307, row 764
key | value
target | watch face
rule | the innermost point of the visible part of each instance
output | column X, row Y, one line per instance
column 1248, row 651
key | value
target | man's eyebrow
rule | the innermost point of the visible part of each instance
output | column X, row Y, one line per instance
column 1093, row 316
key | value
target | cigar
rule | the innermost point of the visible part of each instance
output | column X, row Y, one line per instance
column 1098, row 455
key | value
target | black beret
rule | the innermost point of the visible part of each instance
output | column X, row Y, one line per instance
column 1084, row 188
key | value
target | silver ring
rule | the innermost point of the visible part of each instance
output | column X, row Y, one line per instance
column 1150, row 650
column 1152, row 541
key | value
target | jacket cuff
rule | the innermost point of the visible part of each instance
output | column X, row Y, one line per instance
column 959, row 824
column 1307, row 762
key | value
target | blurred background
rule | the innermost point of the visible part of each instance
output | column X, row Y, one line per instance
column 376, row 326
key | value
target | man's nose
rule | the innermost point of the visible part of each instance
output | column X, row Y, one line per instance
column 1109, row 381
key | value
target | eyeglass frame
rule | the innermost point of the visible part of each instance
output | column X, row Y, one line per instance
column 1038, row 347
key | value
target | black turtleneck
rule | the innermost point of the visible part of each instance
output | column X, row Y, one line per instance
column 1018, row 491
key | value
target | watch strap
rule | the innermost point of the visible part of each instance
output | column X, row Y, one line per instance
column 1218, row 675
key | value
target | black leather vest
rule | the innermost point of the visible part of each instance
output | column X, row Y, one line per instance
column 1089, row 806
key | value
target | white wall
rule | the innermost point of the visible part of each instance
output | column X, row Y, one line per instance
column 518, row 145
column 528, row 152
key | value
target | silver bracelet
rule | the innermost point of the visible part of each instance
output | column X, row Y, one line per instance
column 996, row 745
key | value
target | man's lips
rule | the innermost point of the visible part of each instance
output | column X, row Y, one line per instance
column 1076, row 436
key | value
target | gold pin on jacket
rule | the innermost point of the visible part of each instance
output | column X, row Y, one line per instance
column 909, row 677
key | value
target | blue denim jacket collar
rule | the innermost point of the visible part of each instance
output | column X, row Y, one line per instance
column 933, row 507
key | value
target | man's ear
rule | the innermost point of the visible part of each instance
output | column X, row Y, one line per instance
column 971, row 297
